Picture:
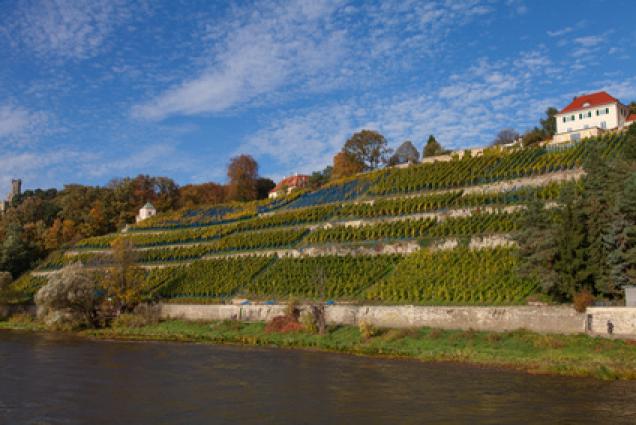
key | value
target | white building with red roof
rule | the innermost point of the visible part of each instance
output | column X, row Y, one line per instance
column 590, row 115
column 288, row 185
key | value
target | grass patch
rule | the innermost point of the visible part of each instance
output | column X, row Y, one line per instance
column 570, row 355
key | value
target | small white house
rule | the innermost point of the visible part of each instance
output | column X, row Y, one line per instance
column 590, row 115
column 145, row 212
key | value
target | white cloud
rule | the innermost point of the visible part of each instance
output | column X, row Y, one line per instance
column 466, row 111
column 12, row 120
column 66, row 29
column 301, row 47
column 590, row 40
column 560, row 32
column 18, row 124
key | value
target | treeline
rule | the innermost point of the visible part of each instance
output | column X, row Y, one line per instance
column 41, row 221
column 588, row 245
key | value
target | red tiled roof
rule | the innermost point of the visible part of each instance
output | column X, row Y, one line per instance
column 631, row 117
column 589, row 101
column 292, row 181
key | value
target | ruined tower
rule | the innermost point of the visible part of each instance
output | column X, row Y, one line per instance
column 16, row 189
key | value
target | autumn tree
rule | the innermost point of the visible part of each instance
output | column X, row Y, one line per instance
column 123, row 281
column 243, row 175
column 406, row 152
column 192, row 195
column 432, row 148
column 632, row 107
column 367, row 147
column 345, row 164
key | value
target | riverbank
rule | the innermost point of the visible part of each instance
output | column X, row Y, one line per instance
column 567, row 355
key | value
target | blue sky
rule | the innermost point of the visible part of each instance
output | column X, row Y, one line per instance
column 96, row 89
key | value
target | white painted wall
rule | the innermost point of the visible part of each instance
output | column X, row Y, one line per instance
column 615, row 118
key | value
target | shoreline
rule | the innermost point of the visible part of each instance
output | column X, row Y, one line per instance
column 524, row 351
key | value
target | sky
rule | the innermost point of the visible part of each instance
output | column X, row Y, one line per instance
column 92, row 90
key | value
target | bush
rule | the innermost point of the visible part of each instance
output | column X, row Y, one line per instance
column 367, row 330
column 582, row 300
column 128, row 320
column 283, row 324
column 68, row 300
column 308, row 323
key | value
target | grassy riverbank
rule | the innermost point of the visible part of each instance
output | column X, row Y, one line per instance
column 575, row 355
column 568, row 355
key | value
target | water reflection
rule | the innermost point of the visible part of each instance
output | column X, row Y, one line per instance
column 48, row 379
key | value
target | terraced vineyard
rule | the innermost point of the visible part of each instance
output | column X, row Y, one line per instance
column 460, row 276
column 193, row 253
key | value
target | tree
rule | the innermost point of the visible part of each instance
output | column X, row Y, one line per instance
column 532, row 137
column 548, row 124
column 632, row 107
column 368, row 147
column 432, row 148
column 505, row 136
column 263, row 186
column 345, row 164
column 243, row 174
column 123, row 281
column 406, row 152
column 15, row 254
column 319, row 178
column 201, row 194
column 68, row 299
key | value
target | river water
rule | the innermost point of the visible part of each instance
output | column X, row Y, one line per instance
column 52, row 379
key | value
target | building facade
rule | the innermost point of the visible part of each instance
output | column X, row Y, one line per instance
column 591, row 115
column 288, row 185
column 145, row 212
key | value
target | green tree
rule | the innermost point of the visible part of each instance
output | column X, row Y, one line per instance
column 367, row 147
column 534, row 136
column 432, row 148
column 632, row 107
column 548, row 124
column 263, row 186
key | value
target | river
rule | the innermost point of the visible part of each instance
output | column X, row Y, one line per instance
column 54, row 379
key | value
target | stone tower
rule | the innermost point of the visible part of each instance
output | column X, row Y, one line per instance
column 16, row 189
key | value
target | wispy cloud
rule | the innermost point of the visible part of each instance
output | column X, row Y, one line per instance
column 465, row 111
column 66, row 29
column 19, row 125
column 560, row 32
column 301, row 47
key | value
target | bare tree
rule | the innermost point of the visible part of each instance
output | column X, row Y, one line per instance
column 505, row 136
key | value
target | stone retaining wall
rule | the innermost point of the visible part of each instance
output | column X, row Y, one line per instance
column 622, row 318
column 548, row 319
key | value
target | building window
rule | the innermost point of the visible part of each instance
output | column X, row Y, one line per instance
column 572, row 118
column 580, row 116
column 565, row 119
column 603, row 124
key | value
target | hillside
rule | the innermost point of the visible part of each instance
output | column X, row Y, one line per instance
column 436, row 233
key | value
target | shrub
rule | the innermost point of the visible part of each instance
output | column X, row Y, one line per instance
column 367, row 330
column 68, row 300
column 283, row 324
column 582, row 300
column 308, row 323
column 128, row 320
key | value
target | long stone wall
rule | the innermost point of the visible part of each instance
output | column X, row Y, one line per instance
column 548, row 319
